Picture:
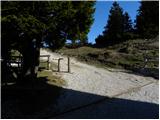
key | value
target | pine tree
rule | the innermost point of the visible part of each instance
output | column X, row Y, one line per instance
column 114, row 28
column 84, row 18
column 128, row 29
column 113, row 32
column 127, row 23
column 100, row 41
column 26, row 24
column 147, row 21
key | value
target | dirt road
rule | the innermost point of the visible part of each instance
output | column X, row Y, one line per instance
column 87, row 84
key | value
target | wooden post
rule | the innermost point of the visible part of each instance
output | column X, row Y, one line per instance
column 59, row 64
column 21, row 63
column 18, row 64
column 69, row 70
column 48, row 62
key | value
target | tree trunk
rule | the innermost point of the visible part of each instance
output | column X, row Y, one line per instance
column 31, row 55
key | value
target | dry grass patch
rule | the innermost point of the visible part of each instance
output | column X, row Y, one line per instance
column 52, row 79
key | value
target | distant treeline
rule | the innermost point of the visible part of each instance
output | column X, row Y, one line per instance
column 120, row 28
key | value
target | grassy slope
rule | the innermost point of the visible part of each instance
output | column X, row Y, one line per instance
column 128, row 55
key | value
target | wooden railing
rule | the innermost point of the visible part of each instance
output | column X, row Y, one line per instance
column 48, row 62
column 19, row 60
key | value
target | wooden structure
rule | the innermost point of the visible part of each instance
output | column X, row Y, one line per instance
column 17, row 61
column 59, row 69
column 59, row 64
column 69, row 69
column 48, row 58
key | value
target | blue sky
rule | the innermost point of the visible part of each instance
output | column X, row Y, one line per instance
column 102, row 12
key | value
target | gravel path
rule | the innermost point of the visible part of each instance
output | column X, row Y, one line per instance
column 87, row 84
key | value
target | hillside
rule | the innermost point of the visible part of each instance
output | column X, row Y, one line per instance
column 129, row 55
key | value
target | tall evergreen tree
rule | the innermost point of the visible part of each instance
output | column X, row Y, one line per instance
column 26, row 24
column 100, row 41
column 113, row 32
column 84, row 15
column 114, row 28
column 127, row 23
column 147, row 21
column 128, row 32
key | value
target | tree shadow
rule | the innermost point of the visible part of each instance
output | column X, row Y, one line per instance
column 62, row 71
column 27, row 99
column 147, row 72
column 41, row 68
column 41, row 100
column 114, row 108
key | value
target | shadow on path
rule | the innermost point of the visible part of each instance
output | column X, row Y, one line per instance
column 42, row 100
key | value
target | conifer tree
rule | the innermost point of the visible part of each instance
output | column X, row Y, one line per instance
column 26, row 24
column 147, row 21
column 114, row 28
column 128, row 32
column 113, row 32
column 127, row 23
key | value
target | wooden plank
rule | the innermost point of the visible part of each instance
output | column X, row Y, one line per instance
column 69, row 70
column 47, row 61
column 43, row 61
column 18, row 60
column 44, row 55
column 59, row 64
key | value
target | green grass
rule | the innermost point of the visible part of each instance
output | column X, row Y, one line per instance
column 127, row 55
column 82, row 51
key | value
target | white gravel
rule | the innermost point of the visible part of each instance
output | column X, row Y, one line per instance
column 87, row 84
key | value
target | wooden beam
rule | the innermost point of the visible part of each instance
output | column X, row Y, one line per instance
column 69, row 70
column 59, row 64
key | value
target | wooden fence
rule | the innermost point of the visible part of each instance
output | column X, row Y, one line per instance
column 48, row 58
column 17, row 61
